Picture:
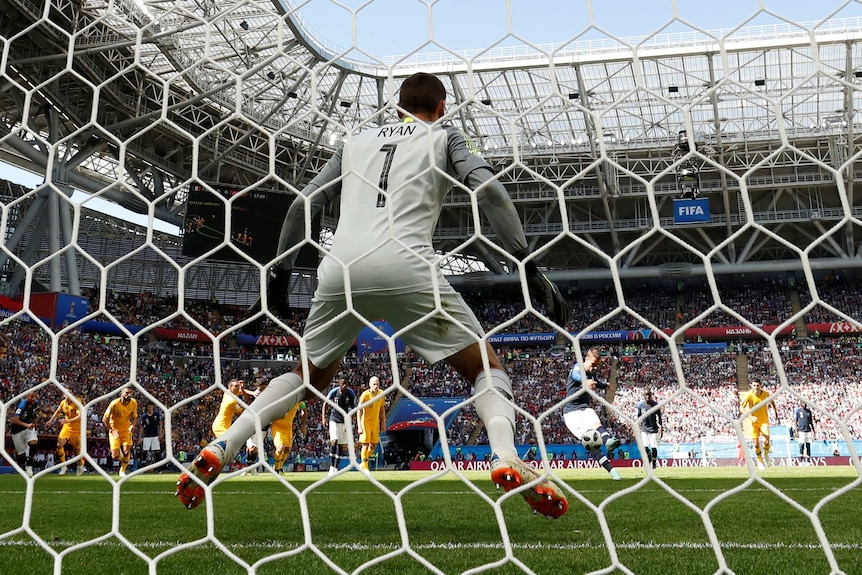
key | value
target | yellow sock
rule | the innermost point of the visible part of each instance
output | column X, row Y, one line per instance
column 61, row 455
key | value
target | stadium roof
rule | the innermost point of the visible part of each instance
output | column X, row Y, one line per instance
column 585, row 133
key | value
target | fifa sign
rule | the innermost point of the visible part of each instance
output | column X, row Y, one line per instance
column 688, row 211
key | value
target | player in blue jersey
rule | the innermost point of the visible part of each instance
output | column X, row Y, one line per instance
column 578, row 412
column 803, row 421
column 650, row 426
column 391, row 181
column 22, row 425
column 345, row 398
column 152, row 433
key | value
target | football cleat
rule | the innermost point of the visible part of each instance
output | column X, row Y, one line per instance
column 80, row 470
column 615, row 475
column 206, row 467
column 543, row 497
column 62, row 471
column 612, row 444
column 29, row 471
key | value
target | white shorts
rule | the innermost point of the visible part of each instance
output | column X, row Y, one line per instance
column 649, row 438
column 151, row 444
column 329, row 332
column 338, row 432
column 24, row 438
column 580, row 421
column 806, row 437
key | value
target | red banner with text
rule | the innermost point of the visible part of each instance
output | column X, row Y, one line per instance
column 591, row 464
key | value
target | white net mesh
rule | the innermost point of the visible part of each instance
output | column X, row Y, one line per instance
column 652, row 174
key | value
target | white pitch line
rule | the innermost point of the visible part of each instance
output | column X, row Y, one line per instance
column 223, row 491
column 460, row 546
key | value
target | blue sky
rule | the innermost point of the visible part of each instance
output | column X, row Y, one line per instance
column 398, row 27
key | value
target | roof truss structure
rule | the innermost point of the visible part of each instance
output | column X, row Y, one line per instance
column 136, row 101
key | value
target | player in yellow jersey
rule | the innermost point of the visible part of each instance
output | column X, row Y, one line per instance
column 230, row 406
column 757, row 398
column 282, row 433
column 68, row 415
column 370, row 419
column 119, row 420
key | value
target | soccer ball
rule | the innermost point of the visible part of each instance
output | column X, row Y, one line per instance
column 592, row 440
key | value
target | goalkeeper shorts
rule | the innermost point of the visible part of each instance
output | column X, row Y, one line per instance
column 330, row 333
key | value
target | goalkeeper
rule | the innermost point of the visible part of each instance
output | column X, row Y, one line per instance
column 392, row 180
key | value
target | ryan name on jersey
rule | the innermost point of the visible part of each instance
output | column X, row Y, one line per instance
column 396, row 130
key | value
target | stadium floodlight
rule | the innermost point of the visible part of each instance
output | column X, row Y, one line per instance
column 834, row 122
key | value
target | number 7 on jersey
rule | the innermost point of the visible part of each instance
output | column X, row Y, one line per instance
column 383, row 183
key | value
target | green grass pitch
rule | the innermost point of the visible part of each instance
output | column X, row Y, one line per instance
column 306, row 525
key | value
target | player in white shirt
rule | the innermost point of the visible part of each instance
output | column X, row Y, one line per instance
column 391, row 181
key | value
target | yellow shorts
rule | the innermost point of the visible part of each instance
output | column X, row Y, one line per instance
column 72, row 436
column 125, row 438
column 759, row 428
column 371, row 435
column 282, row 429
column 282, row 436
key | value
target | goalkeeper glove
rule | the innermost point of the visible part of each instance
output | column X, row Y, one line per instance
column 277, row 294
column 545, row 292
column 278, row 291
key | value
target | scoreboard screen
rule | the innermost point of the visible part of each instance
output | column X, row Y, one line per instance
column 255, row 224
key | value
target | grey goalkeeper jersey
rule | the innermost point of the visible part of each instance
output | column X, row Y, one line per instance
column 393, row 180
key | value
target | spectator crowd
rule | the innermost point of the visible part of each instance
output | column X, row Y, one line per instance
column 699, row 398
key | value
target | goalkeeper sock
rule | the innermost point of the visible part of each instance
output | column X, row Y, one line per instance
column 61, row 455
column 497, row 412
column 278, row 398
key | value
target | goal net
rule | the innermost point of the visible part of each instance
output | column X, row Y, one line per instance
column 689, row 187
